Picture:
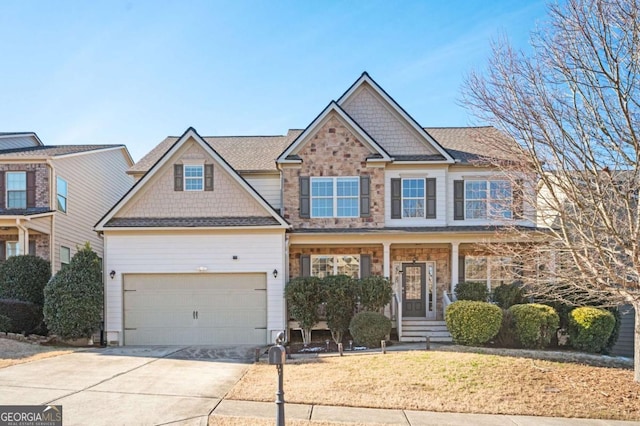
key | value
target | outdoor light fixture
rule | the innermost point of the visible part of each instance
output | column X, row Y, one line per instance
column 202, row 269
column 275, row 273
column 112, row 274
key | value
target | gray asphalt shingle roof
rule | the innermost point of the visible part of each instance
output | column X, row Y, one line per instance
column 51, row 151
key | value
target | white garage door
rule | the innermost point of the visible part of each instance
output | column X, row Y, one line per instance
column 195, row 309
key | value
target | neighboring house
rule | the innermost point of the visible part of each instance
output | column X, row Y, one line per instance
column 362, row 190
column 51, row 196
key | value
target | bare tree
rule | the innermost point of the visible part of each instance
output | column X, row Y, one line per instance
column 572, row 107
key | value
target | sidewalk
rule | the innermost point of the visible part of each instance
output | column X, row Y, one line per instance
column 374, row 416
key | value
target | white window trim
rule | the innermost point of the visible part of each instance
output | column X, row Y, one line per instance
column 423, row 198
column 487, row 200
column 184, row 177
column 6, row 248
column 335, row 261
column 489, row 261
column 334, row 197
column 6, row 185
column 66, row 197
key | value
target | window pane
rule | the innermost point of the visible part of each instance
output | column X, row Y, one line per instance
column 193, row 171
column 322, row 187
column 16, row 181
column 65, row 255
column 475, row 268
column 62, row 203
column 412, row 208
column 348, row 187
column 476, row 209
column 322, row 207
column 349, row 265
column 476, row 190
column 12, row 248
column 413, row 188
column 321, row 266
column 62, row 186
column 193, row 178
column 347, row 207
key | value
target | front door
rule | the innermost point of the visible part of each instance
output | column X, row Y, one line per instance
column 418, row 290
column 413, row 290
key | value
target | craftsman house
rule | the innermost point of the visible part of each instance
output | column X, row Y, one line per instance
column 200, row 249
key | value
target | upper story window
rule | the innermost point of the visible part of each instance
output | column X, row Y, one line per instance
column 487, row 199
column 193, row 178
column 324, row 265
column 16, row 190
column 412, row 197
column 61, row 186
column 335, row 197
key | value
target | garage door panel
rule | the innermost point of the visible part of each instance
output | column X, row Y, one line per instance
column 159, row 309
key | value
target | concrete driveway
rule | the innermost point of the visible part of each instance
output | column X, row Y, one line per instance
column 129, row 386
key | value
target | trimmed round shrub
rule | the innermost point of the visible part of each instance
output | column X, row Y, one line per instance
column 23, row 278
column 5, row 324
column 25, row 317
column 73, row 298
column 369, row 328
column 535, row 324
column 472, row 290
column 473, row 323
column 590, row 328
column 374, row 292
column 304, row 295
column 340, row 299
column 507, row 295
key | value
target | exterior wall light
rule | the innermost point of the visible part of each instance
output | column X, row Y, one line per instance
column 202, row 269
column 112, row 274
column 275, row 273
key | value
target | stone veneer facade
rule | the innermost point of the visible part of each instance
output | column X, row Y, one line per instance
column 333, row 151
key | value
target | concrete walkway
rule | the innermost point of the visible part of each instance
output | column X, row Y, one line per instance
column 374, row 416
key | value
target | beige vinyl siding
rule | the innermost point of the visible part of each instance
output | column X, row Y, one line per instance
column 184, row 253
column 17, row 142
column 268, row 186
column 96, row 181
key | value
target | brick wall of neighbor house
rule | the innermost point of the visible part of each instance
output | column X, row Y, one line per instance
column 42, row 179
column 333, row 151
column 440, row 255
column 295, row 252
column 226, row 199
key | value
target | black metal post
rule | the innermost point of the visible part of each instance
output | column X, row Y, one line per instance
column 280, row 397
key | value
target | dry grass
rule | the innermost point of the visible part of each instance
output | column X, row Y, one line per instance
column 13, row 352
column 454, row 382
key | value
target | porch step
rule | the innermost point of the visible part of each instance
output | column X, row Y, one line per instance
column 417, row 330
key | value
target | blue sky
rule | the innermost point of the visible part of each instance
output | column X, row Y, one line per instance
column 133, row 72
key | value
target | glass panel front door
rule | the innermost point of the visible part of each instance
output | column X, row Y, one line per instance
column 418, row 290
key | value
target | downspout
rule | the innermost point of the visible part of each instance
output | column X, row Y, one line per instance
column 286, row 280
column 52, row 238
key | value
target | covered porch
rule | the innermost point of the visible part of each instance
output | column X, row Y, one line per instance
column 423, row 268
column 26, row 234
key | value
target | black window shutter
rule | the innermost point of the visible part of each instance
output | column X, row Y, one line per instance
column 178, row 179
column 3, row 250
column 518, row 199
column 458, row 200
column 430, row 210
column 305, row 265
column 208, row 177
column 461, row 269
column 396, row 198
column 3, row 195
column 32, row 247
column 31, row 189
column 365, row 265
column 305, row 199
column 365, row 196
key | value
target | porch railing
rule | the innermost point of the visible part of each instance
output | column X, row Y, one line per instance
column 446, row 301
column 397, row 302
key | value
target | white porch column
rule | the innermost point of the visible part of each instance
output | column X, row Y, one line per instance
column 23, row 240
column 454, row 265
column 386, row 262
